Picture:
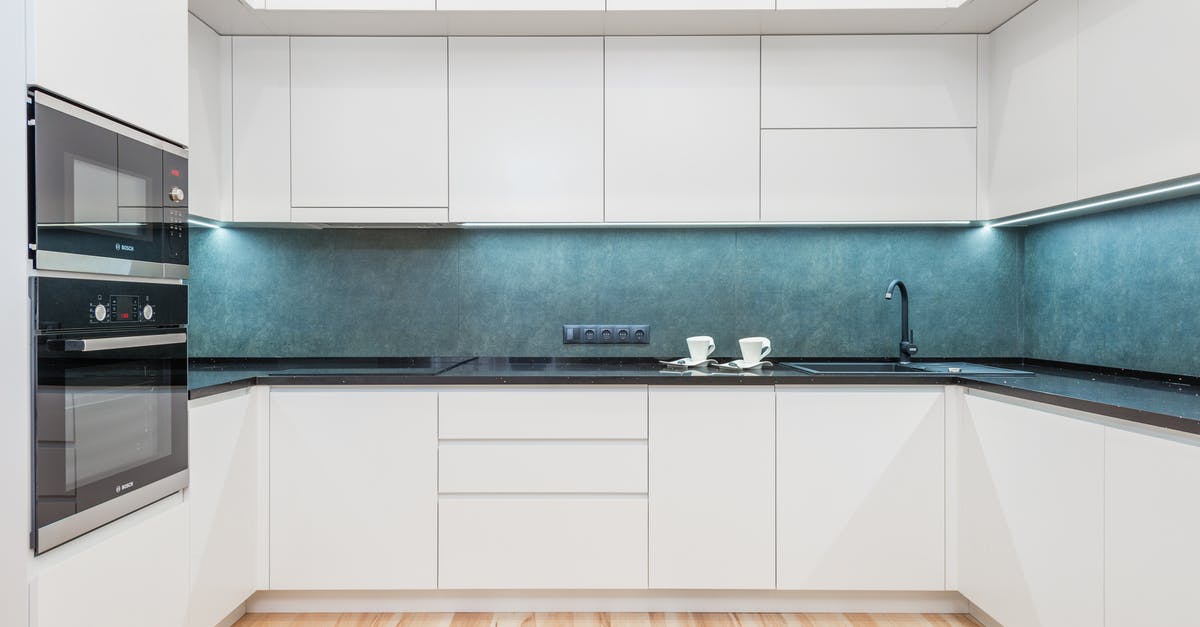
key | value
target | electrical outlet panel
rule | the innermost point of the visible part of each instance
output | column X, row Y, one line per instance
column 606, row 334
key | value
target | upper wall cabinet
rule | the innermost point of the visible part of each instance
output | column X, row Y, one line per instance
column 261, row 129
column 1138, row 122
column 681, row 129
column 127, row 59
column 1032, row 114
column 688, row 5
column 369, row 129
column 527, row 131
column 209, row 114
column 869, row 81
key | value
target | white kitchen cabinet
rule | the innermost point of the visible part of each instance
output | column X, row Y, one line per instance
column 127, row 59
column 1138, row 122
column 506, row 467
column 261, row 126
column 210, row 114
column 353, row 489
column 527, row 129
column 349, row 5
column 520, row 5
column 369, row 129
column 224, row 500
column 555, row 412
column 1151, row 514
column 681, row 129
column 861, row 484
column 868, row 174
column 869, row 81
column 1031, row 513
column 542, row 542
column 1032, row 113
column 689, row 5
column 132, row 572
column 712, row 487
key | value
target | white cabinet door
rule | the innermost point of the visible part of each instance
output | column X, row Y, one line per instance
column 210, row 103
column 1030, row 514
column 868, row 175
column 369, row 129
column 1138, row 122
column 869, row 81
column 861, row 488
column 681, row 129
column 520, row 5
column 353, row 489
column 223, row 498
column 712, row 487
column 526, row 129
column 128, row 59
column 688, row 5
column 349, row 5
column 1032, row 116
column 1151, row 514
column 132, row 572
column 261, row 130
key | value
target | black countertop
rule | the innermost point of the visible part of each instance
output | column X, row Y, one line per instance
column 1170, row 402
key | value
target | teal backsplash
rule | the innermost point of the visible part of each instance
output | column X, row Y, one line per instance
column 1119, row 289
column 404, row 292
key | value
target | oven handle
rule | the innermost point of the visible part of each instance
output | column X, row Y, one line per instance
column 113, row 343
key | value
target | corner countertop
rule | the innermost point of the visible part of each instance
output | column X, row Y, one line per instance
column 1161, row 401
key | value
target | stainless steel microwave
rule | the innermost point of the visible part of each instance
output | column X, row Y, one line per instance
column 104, row 197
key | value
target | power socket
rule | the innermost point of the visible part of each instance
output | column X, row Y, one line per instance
column 606, row 334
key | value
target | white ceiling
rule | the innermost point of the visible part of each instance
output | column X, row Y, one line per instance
column 231, row 17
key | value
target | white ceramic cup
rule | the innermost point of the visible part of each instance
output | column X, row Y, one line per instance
column 754, row 349
column 700, row 347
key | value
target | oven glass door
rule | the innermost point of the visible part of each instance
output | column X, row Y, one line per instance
column 110, row 416
column 96, row 192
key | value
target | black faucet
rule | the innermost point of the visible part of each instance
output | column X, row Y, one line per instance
column 907, row 348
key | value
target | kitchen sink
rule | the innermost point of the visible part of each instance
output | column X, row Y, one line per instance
column 891, row 367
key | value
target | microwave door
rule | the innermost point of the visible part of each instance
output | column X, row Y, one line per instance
column 75, row 171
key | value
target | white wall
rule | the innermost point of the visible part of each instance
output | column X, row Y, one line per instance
column 14, row 340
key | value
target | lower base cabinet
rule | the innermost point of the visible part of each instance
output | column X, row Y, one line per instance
column 1031, row 514
column 862, row 485
column 353, row 488
column 131, row 573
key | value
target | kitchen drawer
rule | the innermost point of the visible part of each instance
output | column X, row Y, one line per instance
column 577, row 467
column 543, row 413
column 542, row 542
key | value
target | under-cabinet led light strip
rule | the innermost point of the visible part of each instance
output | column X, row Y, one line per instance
column 205, row 223
column 710, row 225
column 1098, row 203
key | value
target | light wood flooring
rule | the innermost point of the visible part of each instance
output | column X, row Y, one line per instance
column 606, row 620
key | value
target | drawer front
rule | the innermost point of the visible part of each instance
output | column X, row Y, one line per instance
column 582, row 467
column 542, row 542
column 543, row 413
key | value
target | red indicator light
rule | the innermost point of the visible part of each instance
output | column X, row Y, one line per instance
column 174, row 172
column 124, row 316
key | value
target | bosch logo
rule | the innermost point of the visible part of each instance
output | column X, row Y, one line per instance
column 124, row 486
column 123, row 248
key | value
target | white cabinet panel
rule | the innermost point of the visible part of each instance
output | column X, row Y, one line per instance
column 223, row 498
column 1032, row 116
column 688, row 5
column 520, row 5
column 681, row 129
column 861, row 488
column 210, row 111
column 350, row 5
column 131, row 573
column 1151, row 514
column 868, row 174
column 527, row 129
column 542, row 542
column 261, row 130
column 1031, row 513
column 575, row 467
column 1138, row 122
column 128, row 59
column 353, row 489
column 712, row 487
column 543, row 413
column 368, row 122
column 869, row 81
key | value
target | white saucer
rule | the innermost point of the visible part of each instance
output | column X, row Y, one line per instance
column 688, row 363
column 741, row 364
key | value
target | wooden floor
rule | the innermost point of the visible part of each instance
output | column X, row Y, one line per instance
column 605, row 620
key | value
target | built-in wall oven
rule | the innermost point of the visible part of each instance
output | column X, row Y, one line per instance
column 104, row 197
column 110, row 401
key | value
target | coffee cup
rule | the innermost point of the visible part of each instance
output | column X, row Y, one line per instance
column 700, row 347
column 754, row 349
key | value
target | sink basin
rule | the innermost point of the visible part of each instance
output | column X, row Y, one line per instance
column 891, row 367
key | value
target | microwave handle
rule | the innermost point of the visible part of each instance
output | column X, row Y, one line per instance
column 113, row 343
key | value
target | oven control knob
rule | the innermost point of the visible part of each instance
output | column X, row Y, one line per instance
column 176, row 194
column 101, row 312
column 147, row 312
